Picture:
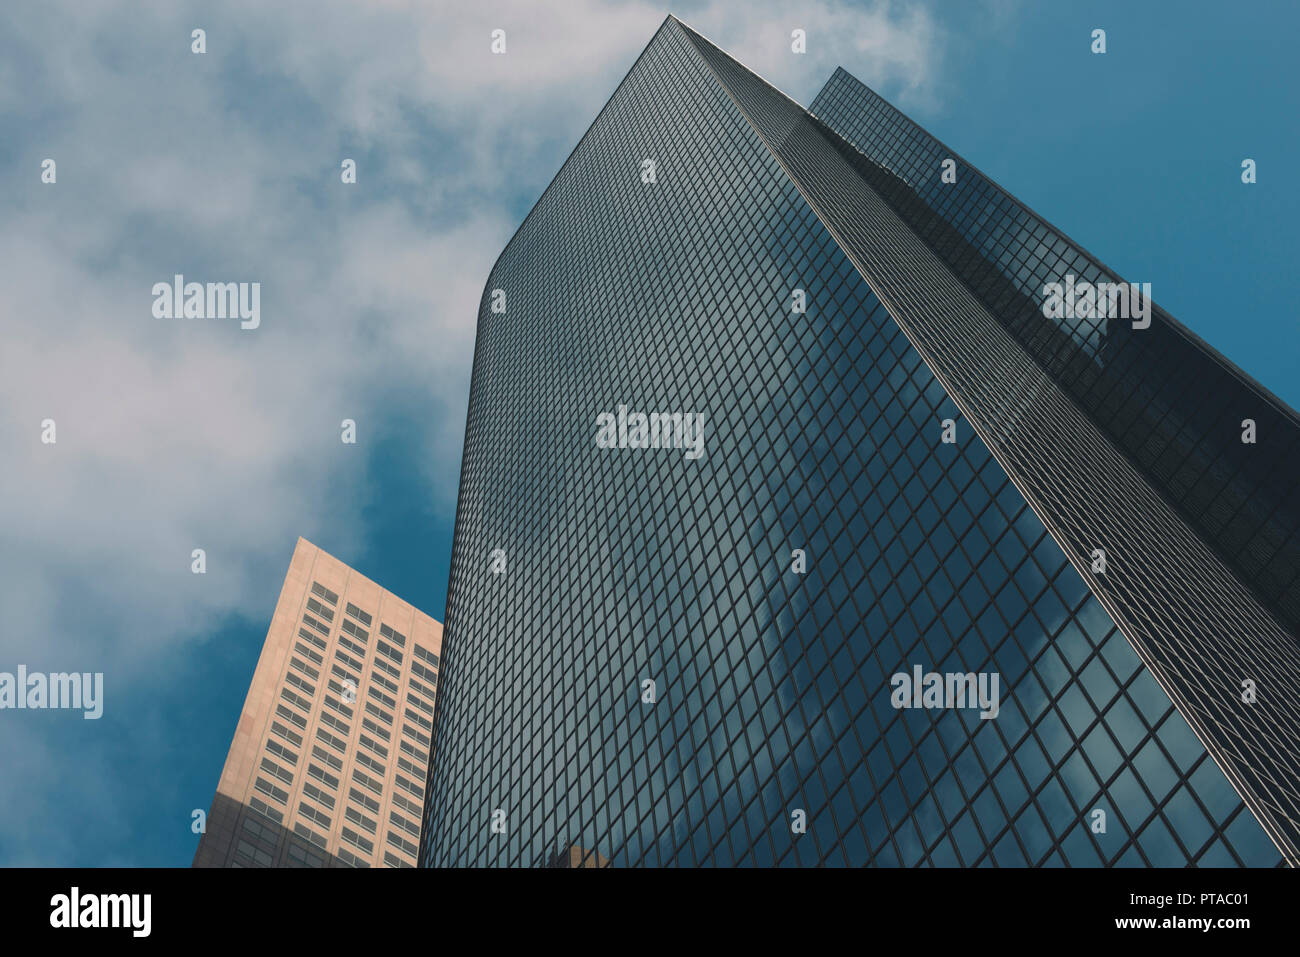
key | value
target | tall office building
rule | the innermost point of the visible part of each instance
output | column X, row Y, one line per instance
column 771, row 420
column 329, row 758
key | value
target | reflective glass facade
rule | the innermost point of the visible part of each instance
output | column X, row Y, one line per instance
column 579, row 573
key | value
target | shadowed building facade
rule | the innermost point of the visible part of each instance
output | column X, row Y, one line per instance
column 667, row 659
column 329, row 759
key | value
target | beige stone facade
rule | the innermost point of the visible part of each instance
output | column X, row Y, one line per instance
column 330, row 756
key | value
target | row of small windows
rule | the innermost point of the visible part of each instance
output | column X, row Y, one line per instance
column 359, row 615
column 355, row 630
column 282, row 731
column 397, row 840
column 306, row 652
column 375, row 729
column 301, row 684
column 323, row 628
column 338, row 744
column 410, row 827
column 279, row 795
column 427, row 674
column 317, row 795
column 261, row 807
column 303, row 830
column 350, row 859
column 426, row 655
column 314, row 639
column 396, row 637
column 356, row 817
column 296, row 700
column 356, row 840
column 288, row 715
column 318, row 589
column 320, row 774
column 305, row 668
column 313, row 814
column 300, row 856
column 388, row 651
column 276, row 771
column 317, row 608
column 280, row 751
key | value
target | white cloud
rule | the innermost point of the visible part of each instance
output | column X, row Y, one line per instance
column 178, row 434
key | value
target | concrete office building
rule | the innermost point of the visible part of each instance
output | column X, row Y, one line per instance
column 329, row 758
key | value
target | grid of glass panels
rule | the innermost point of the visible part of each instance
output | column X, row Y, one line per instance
column 1166, row 398
column 578, row 573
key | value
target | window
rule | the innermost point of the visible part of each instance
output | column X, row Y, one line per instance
column 425, row 655
column 352, row 646
column 422, row 705
column 338, row 724
column 280, row 751
column 261, row 807
column 298, row 701
column 397, row 840
column 314, row 606
column 347, row 659
column 427, row 674
column 365, row 800
column 305, row 668
column 320, row 774
column 356, row 840
column 282, row 731
column 386, row 668
column 409, row 827
column 322, row 755
column 396, row 637
column 382, row 698
column 406, row 804
column 419, row 719
column 379, row 713
column 376, row 729
column 423, row 689
column 410, row 768
column 275, row 793
column 306, row 652
column 350, row 859
column 288, row 715
column 316, row 794
column 355, row 630
column 322, row 628
column 303, row 830
column 338, row 744
column 300, row 683
column 318, row 589
column 388, row 651
column 359, row 615
column 304, row 633
column 300, row 856
column 422, row 738
column 338, row 706
column 313, row 815
column 392, row 860
column 373, row 745
column 367, row 761
column 410, row 786
column 356, row 817
column 384, row 682
column 276, row 771
column 367, row 781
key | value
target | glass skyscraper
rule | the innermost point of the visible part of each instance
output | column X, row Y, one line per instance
column 767, row 416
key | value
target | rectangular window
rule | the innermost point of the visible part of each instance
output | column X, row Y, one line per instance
column 318, row 589
column 280, row 751
column 317, row 608
column 388, row 651
column 288, row 715
column 316, row 794
column 396, row 637
column 305, row 668
column 323, row 776
column 426, row 655
column 314, row 815
column 282, row 731
column 382, row 715
column 359, row 615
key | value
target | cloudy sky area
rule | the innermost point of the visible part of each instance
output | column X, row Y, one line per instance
column 175, row 435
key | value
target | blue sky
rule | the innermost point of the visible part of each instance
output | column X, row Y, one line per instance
column 225, row 166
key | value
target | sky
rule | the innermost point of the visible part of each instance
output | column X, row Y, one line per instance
column 225, row 166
